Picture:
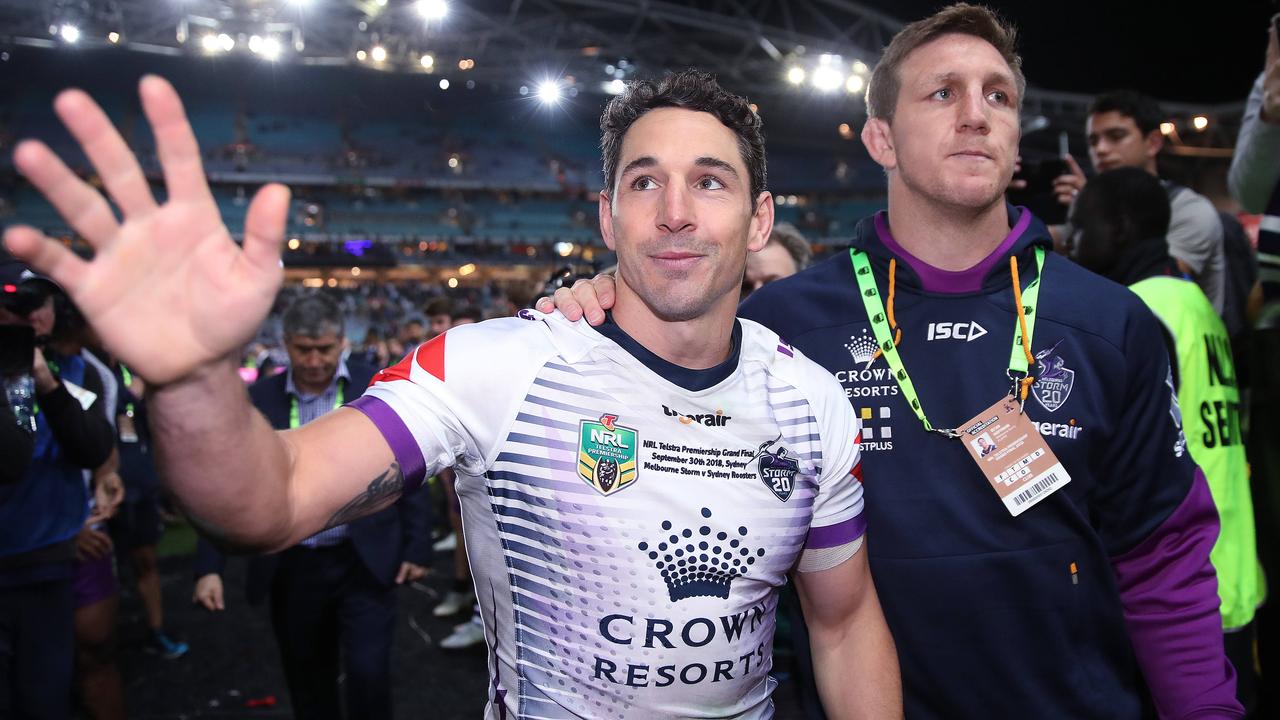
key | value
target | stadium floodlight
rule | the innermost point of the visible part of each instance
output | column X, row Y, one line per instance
column 444, row 83
column 271, row 48
column 855, row 84
column 433, row 9
column 827, row 78
column 615, row 87
column 378, row 54
column 1199, row 122
column 549, row 92
column 113, row 37
column 210, row 43
column 69, row 33
column 860, row 67
column 255, row 44
column 361, row 55
column 427, row 61
column 226, row 42
column 795, row 75
column 1167, row 128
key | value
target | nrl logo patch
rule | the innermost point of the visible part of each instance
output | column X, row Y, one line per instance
column 777, row 468
column 606, row 454
column 1053, row 384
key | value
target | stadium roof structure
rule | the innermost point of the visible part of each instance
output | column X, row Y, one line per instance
column 585, row 45
column 809, row 54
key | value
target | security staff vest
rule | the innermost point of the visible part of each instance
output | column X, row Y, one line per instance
column 1210, row 404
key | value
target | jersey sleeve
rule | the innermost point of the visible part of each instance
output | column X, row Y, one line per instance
column 448, row 403
column 838, row 519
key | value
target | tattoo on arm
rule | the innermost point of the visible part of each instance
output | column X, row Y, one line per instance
column 381, row 492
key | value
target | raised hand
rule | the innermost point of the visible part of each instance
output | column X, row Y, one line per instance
column 168, row 290
column 1070, row 183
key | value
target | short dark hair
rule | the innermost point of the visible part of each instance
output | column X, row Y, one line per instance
column 467, row 312
column 690, row 89
column 312, row 315
column 960, row 18
column 1115, row 211
column 440, row 306
column 794, row 242
column 1145, row 111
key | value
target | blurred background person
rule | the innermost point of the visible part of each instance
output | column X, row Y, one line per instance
column 332, row 596
column 43, row 514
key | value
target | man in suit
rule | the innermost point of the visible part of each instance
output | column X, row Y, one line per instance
column 333, row 594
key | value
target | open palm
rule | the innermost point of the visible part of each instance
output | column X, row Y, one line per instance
column 168, row 290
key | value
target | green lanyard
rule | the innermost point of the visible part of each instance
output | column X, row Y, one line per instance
column 293, row 406
column 884, row 337
column 128, row 380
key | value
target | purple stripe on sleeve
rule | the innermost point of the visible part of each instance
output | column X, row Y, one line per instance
column 1170, row 596
column 829, row 536
column 397, row 435
column 953, row 281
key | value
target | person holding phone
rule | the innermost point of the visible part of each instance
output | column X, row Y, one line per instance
column 41, row 515
column 17, row 349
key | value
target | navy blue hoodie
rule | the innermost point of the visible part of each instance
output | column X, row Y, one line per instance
column 1062, row 611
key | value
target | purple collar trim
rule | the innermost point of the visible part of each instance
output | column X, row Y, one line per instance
column 953, row 281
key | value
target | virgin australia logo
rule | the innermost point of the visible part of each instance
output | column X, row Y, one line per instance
column 1053, row 384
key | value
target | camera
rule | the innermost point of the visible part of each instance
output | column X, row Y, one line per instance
column 22, row 299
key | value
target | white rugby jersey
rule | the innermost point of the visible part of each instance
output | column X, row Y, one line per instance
column 628, row 522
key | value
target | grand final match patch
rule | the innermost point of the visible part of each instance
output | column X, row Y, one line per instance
column 607, row 454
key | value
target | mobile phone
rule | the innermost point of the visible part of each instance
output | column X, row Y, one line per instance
column 1064, row 148
column 17, row 349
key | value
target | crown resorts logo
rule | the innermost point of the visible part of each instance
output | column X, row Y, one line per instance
column 862, row 348
column 606, row 454
column 701, row 566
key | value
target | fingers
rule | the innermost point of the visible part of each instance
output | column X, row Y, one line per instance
column 545, row 305
column 1066, row 187
column 175, row 142
column 606, row 292
column 586, row 294
column 566, row 304
column 212, row 601
column 403, row 574
column 264, row 226
column 116, row 165
column 48, row 257
column 208, row 601
column 94, row 544
column 1074, row 167
column 84, row 208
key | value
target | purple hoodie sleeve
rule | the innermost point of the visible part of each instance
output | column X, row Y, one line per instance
column 1169, row 591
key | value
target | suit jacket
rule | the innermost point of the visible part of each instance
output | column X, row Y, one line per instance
column 399, row 533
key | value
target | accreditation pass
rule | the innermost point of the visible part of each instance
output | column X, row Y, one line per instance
column 1013, row 456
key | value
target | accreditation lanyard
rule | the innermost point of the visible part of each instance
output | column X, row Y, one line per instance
column 293, row 406
column 128, row 380
column 883, row 333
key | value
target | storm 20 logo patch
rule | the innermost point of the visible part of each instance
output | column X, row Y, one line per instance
column 777, row 468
